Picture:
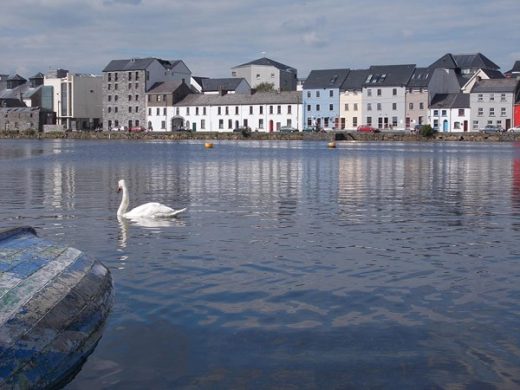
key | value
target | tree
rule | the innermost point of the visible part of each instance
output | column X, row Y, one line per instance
column 265, row 87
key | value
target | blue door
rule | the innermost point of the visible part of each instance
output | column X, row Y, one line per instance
column 445, row 125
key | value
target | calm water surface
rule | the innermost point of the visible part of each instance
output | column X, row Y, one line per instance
column 373, row 265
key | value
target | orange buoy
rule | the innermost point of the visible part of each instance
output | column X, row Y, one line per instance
column 208, row 145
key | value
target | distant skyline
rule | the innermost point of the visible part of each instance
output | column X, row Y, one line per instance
column 211, row 36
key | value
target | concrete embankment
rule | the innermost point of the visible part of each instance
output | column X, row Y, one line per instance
column 395, row 136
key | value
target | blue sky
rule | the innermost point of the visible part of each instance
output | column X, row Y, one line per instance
column 211, row 36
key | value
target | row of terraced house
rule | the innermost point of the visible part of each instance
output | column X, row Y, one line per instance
column 455, row 93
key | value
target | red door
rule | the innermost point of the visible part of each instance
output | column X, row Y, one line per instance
column 271, row 124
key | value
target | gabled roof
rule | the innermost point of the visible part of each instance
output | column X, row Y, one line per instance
column 389, row 75
column 420, row 78
column 516, row 68
column 225, row 84
column 354, row 80
column 165, row 86
column 477, row 61
column 264, row 61
column 496, row 85
column 326, row 78
column 138, row 64
column 450, row 100
column 446, row 62
column 38, row 75
column 286, row 97
column 16, row 77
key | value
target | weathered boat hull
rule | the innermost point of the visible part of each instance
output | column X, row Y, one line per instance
column 54, row 301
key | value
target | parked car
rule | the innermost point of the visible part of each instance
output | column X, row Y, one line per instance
column 137, row 129
column 515, row 129
column 491, row 129
column 367, row 129
column 288, row 129
column 310, row 129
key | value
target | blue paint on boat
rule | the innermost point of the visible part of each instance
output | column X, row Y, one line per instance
column 54, row 302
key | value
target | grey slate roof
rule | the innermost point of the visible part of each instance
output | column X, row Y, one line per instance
column 516, row 68
column 496, row 85
column 137, row 64
column 389, row 75
column 420, row 78
column 446, row 62
column 165, row 86
column 355, row 80
column 493, row 74
column 288, row 97
column 16, row 77
column 38, row 75
column 268, row 62
column 226, row 84
column 477, row 60
column 450, row 100
column 326, row 78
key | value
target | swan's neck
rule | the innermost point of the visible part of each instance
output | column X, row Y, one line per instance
column 124, row 202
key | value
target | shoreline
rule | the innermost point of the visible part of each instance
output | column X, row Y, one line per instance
column 300, row 136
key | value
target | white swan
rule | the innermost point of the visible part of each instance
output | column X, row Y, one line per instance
column 147, row 210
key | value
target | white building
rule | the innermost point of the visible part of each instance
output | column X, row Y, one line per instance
column 262, row 111
column 450, row 112
column 76, row 99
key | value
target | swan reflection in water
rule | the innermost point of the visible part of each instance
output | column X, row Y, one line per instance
column 152, row 224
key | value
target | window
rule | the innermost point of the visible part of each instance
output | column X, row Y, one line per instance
column 503, row 111
column 110, row 124
column 317, row 94
column 196, row 111
column 109, row 98
column 221, row 124
column 219, row 110
column 260, row 123
column 379, row 92
column 164, row 97
column 163, row 125
column 355, row 106
column 354, row 121
column 435, row 112
column 410, row 106
column 456, row 125
column 261, row 110
column 346, row 106
column 257, row 75
column 158, row 111
column 378, row 106
column 115, row 87
column 129, row 123
column 443, row 113
column 289, row 109
column 270, row 110
column 492, row 111
column 177, row 111
column 326, row 124
column 234, row 74
column 109, row 87
column 137, row 75
column 226, row 109
column 421, row 106
column 203, row 110
column 230, row 124
column 279, row 110
column 394, row 91
column 480, row 97
column 109, row 78
column 136, row 85
column 394, row 106
column 308, row 107
column 250, row 110
column 331, row 107
column 136, row 97
column 461, row 112
column 202, row 124
column 116, row 109
column 394, row 121
column 491, row 97
column 331, row 93
column 187, row 111
column 109, row 109
column 308, row 94
column 136, row 109
column 369, row 92
column 129, row 76
column 149, row 111
column 158, row 98
column 115, row 77
column 317, row 107
column 129, row 109
column 129, row 85
column 149, row 98
column 369, row 120
column 369, row 106
column 480, row 111
column 503, row 97
column 129, row 98
column 164, row 111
